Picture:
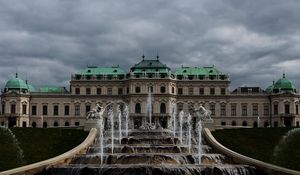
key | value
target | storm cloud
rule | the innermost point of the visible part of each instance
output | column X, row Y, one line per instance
column 48, row 40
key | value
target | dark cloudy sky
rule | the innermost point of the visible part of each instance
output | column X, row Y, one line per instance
column 254, row 41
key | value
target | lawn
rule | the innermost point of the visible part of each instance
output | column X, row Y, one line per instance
column 36, row 144
column 260, row 143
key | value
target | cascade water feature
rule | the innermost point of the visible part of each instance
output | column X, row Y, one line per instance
column 151, row 151
column 42, row 121
column 149, row 106
column 199, row 127
column 120, row 123
column 15, row 143
column 174, row 119
column 181, row 114
column 111, row 118
column 126, row 113
column 100, row 126
column 189, row 132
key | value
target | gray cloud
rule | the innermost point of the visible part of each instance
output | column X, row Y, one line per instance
column 47, row 40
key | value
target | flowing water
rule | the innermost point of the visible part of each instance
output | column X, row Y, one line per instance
column 150, row 151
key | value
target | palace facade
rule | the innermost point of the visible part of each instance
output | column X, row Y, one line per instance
column 23, row 105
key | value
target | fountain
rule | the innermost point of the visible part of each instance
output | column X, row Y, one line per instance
column 18, row 157
column 150, row 149
column 181, row 114
column 149, row 108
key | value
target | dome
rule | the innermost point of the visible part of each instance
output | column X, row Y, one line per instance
column 270, row 89
column 284, row 84
column 16, row 84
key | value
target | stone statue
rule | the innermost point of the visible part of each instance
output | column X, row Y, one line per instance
column 95, row 113
column 203, row 113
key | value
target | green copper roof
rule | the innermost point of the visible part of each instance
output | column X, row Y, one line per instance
column 101, row 71
column 31, row 88
column 284, row 84
column 198, row 71
column 52, row 89
column 16, row 83
column 150, row 66
column 270, row 89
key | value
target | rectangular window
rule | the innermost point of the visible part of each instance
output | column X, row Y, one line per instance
column 179, row 91
column 88, row 91
column 275, row 109
column 13, row 108
column 212, row 109
column 109, row 91
column 55, row 110
column 120, row 91
column 99, row 91
column 191, row 90
column 24, row 109
column 233, row 109
column 201, row 91
column 33, row 110
column 77, row 110
column 223, row 91
column 212, row 91
column 87, row 108
column 287, row 109
column 297, row 109
column 244, row 109
column 77, row 91
column 45, row 110
column 127, row 90
column 67, row 110
column 266, row 109
column 255, row 109
column 223, row 109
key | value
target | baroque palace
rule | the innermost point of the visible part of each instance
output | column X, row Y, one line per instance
column 187, row 87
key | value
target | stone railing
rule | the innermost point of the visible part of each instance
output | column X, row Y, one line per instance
column 61, row 159
column 241, row 159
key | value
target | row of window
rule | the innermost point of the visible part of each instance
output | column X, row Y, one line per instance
column 138, row 90
column 244, row 108
column 55, row 123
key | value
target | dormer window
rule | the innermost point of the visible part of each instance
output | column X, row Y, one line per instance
column 89, row 71
column 184, row 71
column 115, row 70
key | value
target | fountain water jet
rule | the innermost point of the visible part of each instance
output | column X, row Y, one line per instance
column 174, row 119
column 149, row 106
column 111, row 118
column 189, row 132
column 181, row 114
column 200, row 141
column 120, row 123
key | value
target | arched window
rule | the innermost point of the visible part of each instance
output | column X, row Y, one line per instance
column 266, row 124
column 223, row 123
column 33, row 124
column 173, row 90
column 254, row 124
column 162, row 108
column 67, row 124
column 137, row 108
column 55, row 124
column 45, row 125
column 162, row 89
column 233, row 123
column 244, row 123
